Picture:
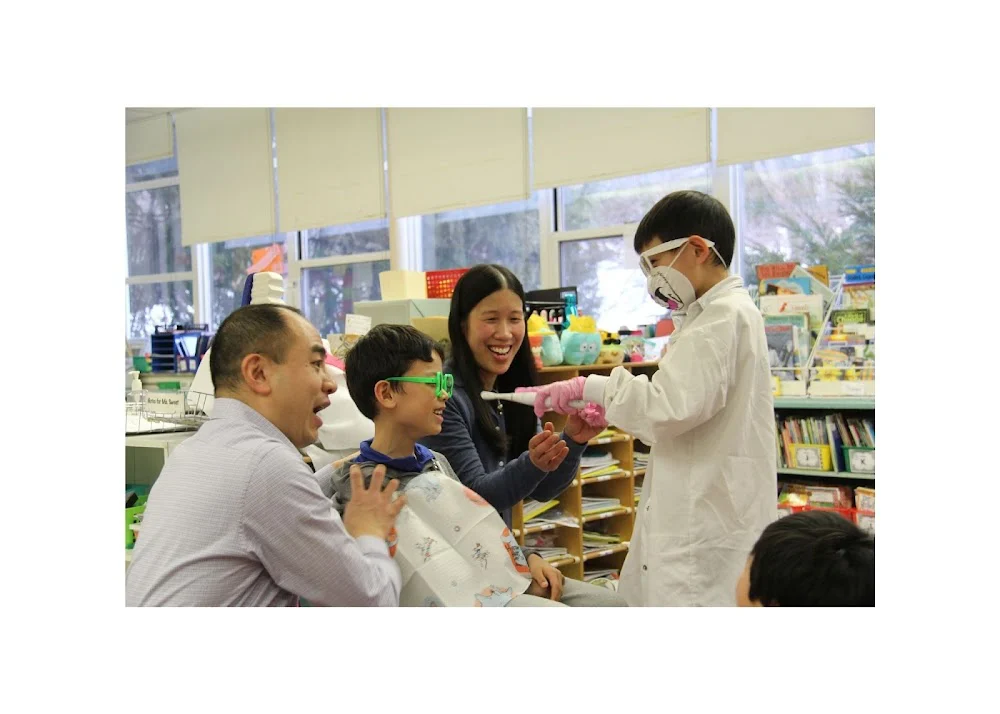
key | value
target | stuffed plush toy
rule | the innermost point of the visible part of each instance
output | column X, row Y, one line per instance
column 545, row 347
column 581, row 342
column 611, row 351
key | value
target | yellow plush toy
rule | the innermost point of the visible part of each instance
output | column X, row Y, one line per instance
column 611, row 351
column 545, row 347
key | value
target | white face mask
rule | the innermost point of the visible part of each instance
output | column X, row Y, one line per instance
column 668, row 286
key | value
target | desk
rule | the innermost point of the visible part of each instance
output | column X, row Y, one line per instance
column 145, row 455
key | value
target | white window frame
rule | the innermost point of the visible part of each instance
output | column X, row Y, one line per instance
column 199, row 293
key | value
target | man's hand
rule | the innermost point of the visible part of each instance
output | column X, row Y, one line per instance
column 546, row 580
column 546, row 450
column 371, row 511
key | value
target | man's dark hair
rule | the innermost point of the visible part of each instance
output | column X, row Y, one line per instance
column 686, row 213
column 385, row 351
column 813, row 559
column 252, row 329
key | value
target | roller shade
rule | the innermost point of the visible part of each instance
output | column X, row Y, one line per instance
column 573, row 146
column 226, row 174
column 754, row 134
column 443, row 159
column 148, row 140
column 329, row 167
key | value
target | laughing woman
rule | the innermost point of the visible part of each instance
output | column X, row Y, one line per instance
column 497, row 449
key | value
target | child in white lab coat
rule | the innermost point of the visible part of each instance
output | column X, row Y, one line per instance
column 707, row 413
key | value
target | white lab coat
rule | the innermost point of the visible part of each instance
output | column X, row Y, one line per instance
column 711, row 485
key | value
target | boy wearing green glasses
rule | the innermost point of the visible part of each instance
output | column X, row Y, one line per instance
column 452, row 547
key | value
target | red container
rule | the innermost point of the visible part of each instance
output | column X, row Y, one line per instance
column 441, row 283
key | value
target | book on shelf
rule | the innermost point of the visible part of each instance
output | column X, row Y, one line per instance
column 545, row 539
column 533, row 509
column 606, row 471
column 774, row 270
column 812, row 305
column 593, row 505
column 553, row 553
column 596, row 538
column 786, row 286
column 609, row 573
column 595, row 457
column 554, row 516
column 788, row 345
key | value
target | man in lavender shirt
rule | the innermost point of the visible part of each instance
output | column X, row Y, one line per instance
column 236, row 517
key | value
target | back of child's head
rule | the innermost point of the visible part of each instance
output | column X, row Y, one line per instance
column 384, row 351
column 687, row 213
column 813, row 558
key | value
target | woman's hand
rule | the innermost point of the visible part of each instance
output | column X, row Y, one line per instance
column 580, row 431
column 546, row 449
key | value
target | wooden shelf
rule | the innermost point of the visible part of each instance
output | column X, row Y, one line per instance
column 543, row 527
column 826, row 474
column 624, row 510
column 610, row 550
column 594, row 367
column 616, row 439
column 565, row 560
column 607, row 477
column 639, row 472
column 833, row 403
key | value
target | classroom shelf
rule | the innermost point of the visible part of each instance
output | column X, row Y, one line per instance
column 594, row 367
column 848, row 403
column 624, row 510
column 639, row 472
column 826, row 474
column 610, row 550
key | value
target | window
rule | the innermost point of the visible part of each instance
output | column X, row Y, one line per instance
column 814, row 209
column 162, row 168
column 153, row 232
column 625, row 200
column 506, row 233
column 231, row 261
column 610, row 287
column 159, row 270
column 152, row 304
column 329, row 293
column 367, row 237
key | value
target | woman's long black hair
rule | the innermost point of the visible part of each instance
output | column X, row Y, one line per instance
column 472, row 288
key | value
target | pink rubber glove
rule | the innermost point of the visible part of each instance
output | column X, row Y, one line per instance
column 560, row 394
column 593, row 415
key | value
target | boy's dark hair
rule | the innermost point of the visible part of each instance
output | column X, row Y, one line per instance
column 252, row 329
column 813, row 559
column 384, row 351
column 686, row 213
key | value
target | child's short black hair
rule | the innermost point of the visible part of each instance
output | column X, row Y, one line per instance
column 384, row 351
column 686, row 213
column 813, row 558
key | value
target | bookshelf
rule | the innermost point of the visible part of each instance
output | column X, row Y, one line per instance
column 620, row 485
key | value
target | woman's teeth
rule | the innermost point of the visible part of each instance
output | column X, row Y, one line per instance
column 500, row 350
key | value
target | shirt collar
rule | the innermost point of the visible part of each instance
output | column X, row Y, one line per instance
column 733, row 282
column 235, row 410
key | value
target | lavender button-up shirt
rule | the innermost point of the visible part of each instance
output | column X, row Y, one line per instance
column 237, row 518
